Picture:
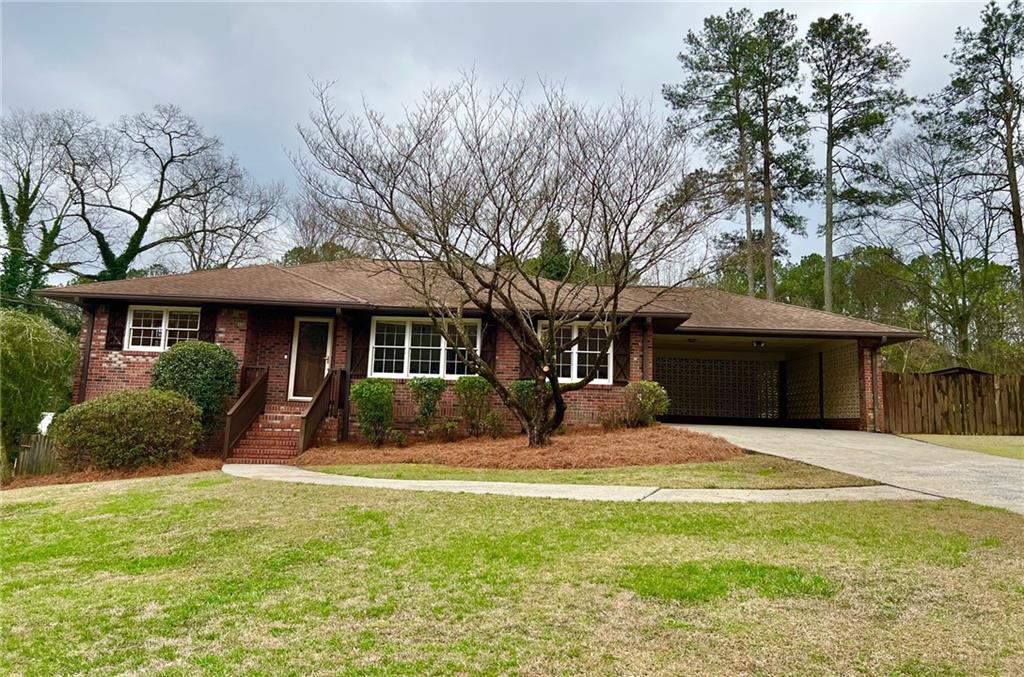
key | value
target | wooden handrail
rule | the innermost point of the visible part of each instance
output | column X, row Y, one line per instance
column 251, row 403
column 323, row 404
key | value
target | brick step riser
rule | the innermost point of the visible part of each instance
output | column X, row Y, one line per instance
column 259, row 461
column 255, row 451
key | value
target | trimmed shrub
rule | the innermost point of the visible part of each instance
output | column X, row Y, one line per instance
column 526, row 393
column 128, row 429
column 426, row 394
column 203, row 372
column 643, row 401
column 398, row 438
column 38, row 360
column 494, row 424
column 447, row 430
column 474, row 398
column 375, row 408
column 611, row 419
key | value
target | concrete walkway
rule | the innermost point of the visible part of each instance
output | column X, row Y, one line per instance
column 896, row 461
column 579, row 492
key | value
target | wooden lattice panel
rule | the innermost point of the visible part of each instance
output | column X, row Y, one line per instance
column 719, row 388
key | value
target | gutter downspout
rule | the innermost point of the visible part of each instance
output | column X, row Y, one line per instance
column 83, row 379
column 645, row 332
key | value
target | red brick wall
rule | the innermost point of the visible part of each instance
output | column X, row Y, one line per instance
column 113, row 370
column 585, row 406
column 872, row 411
column 263, row 337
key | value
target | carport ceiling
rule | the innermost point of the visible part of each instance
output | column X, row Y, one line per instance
column 737, row 343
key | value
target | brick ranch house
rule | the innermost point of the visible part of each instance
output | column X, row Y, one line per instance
column 302, row 335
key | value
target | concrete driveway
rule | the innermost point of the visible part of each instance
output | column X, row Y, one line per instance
column 900, row 462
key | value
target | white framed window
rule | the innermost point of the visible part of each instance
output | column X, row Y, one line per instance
column 406, row 347
column 575, row 363
column 157, row 328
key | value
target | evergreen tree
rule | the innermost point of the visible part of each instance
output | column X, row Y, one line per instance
column 855, row 98
column 715, row 99
column 986, row 98
column 779, row 128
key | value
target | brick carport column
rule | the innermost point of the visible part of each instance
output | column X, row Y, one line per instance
column 872, row 409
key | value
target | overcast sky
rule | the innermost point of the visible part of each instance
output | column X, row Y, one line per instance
column 244, row 70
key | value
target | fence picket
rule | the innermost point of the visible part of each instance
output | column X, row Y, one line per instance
column 954, row 404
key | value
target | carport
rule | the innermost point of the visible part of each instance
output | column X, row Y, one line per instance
column 760, row 380
column 742, row 360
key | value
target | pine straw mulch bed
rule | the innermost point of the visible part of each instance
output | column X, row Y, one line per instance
column 582, row 448
column 190, row 465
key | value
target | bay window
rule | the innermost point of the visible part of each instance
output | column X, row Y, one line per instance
column 410, row 347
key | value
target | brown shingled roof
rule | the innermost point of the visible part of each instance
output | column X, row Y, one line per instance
column 714, row 311
column 360, row 283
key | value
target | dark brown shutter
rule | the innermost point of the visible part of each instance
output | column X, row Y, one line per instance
column 527, row 367
column 489, row 344
column 620, row 357
column 117, row 322
column 208, row 323
column 359, row 326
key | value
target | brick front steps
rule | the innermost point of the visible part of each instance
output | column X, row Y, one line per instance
column 274, row 437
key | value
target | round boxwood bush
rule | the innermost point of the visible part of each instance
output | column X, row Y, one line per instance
column 375, row 408
column 203, row 372
column 127, row 429
column 643, row 402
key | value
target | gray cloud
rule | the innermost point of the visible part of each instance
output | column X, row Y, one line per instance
column 244, row 70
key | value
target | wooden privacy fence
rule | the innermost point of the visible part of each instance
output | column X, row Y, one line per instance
column 37, row 456
column 954, row 404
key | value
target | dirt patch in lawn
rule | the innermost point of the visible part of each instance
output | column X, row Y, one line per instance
column 584, row 448
column 191, row 465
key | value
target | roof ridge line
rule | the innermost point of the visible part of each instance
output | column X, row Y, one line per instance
column 320, row 284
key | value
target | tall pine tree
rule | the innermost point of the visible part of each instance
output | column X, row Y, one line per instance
column 715, row 99
column 855, row 98
column 779, row 128
column 986, row 100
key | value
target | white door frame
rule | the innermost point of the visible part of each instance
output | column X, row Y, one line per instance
column 329, row 321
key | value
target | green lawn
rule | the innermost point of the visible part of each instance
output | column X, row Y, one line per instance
column 751, row 471
column 210, row 574
column 1010, row 446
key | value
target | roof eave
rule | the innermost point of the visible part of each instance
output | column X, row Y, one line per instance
column 68, row 295
column 885, row 336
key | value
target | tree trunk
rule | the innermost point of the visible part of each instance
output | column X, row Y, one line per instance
column 546, row 419
column 769, row 240
column 828, row 217
column 963, row 339
column 748, row 210
column 1015, row 207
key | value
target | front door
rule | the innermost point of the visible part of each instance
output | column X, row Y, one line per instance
column 311, row 355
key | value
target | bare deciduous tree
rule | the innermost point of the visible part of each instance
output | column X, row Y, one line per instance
column 456, row 198
column 124, row 177
column 33, row 201
column 321, row 230
column 230, row 224
column 943, row 228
